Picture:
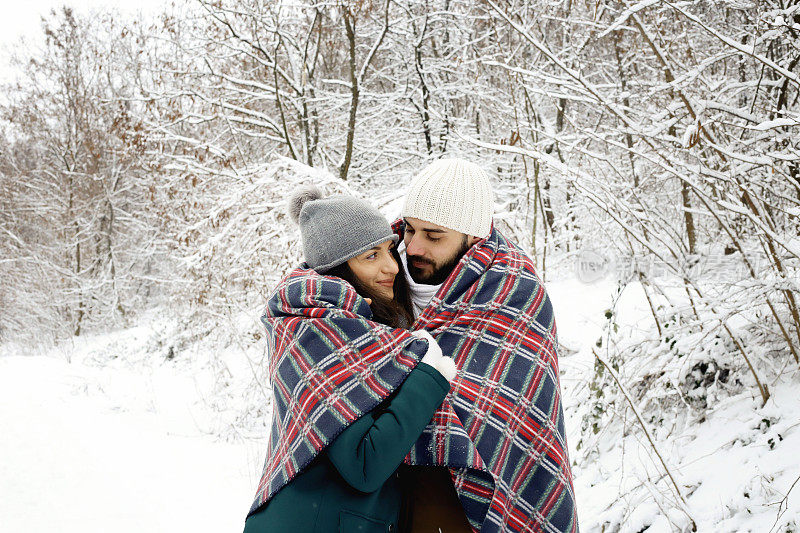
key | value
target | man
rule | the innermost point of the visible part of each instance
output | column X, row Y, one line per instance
column 501, row 437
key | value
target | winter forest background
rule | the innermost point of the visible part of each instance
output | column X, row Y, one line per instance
column 646, row 154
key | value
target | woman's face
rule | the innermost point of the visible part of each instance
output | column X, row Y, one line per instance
column 376, row 269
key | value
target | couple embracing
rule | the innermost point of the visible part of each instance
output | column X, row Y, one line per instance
column 414, row 372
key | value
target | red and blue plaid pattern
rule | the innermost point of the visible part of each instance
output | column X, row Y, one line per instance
column 501, row 428
column 328, row 365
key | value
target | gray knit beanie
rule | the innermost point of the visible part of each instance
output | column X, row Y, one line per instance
column 336, row 228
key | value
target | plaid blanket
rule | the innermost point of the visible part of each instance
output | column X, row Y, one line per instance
column 501, row 428
column 328, row 364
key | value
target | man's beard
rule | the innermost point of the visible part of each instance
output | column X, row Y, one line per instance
column 438, row 275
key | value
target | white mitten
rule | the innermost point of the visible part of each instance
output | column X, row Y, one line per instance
column 447, row 367
column 434, row 357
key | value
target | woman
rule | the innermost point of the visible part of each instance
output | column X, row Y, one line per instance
column 338, row 434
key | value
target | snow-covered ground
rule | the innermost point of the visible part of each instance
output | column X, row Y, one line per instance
column 116, row 440
column 734, row 463
column 144, row 430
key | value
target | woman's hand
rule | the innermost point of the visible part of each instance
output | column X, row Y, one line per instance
column 434, row 356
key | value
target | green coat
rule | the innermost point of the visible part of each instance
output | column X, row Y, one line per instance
column 353, row 487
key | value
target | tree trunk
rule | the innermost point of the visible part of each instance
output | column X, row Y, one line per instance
column 349, row 27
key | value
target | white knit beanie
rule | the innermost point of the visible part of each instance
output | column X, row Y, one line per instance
column 452, row 193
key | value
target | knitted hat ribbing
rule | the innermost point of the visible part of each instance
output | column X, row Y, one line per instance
column 453, row 193
column 336, row 228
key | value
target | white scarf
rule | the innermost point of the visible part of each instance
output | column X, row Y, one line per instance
column 421, row 294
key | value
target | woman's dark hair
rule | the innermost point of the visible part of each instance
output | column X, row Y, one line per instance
column 396, row 312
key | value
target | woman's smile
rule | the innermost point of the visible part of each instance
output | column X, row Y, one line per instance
column 376, row 268
column 385, row 287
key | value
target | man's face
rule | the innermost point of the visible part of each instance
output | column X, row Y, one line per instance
column 433, row 251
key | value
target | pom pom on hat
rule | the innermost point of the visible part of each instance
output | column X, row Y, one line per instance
column 301, row 195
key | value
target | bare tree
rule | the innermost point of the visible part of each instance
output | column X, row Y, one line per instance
column 76, row 164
